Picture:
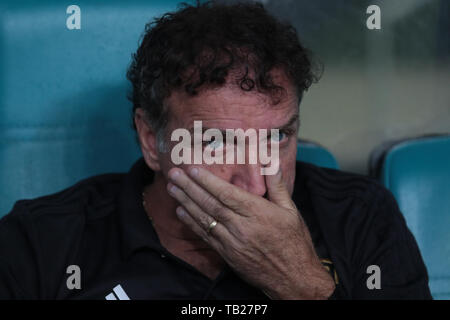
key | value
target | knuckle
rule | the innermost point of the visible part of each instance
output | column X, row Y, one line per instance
column 226, row 195
column 220, row 212
column 209, row 203
column 226, row 216
column 216, row 209
column 204, row 222
column 247, row 203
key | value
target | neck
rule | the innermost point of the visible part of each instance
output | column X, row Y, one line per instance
column 174, row 235
column 160, row 207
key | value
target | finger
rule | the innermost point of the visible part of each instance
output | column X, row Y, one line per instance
column 277, row 191
column 202, row 217
column 212, row 237
column 201, row 197
column 235, row 198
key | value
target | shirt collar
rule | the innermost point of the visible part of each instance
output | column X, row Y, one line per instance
column 136, row 228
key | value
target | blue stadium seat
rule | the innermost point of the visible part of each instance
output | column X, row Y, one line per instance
column 64, row 114
column 417, row 171
column 311, row 152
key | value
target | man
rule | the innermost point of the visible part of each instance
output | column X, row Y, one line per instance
column 214, row 231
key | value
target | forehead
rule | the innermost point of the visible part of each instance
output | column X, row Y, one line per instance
column 231, row 107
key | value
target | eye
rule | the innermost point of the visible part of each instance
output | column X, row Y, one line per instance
column 278, row 137
column 214, row 144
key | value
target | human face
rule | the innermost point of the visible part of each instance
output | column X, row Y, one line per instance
column 229, row 107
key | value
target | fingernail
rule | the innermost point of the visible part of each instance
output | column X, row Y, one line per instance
column 174, row 174
column 172, row 188
column 194, row 172
column 180, row 212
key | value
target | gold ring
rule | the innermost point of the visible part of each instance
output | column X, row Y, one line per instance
column 211, row 226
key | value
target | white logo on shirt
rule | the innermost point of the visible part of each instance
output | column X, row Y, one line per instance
column 118, row 293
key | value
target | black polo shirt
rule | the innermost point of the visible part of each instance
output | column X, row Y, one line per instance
column 100, row 226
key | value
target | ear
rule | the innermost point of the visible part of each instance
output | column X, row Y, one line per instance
column 147, row 139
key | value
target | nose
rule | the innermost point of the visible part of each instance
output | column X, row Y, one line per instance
column 249, row 178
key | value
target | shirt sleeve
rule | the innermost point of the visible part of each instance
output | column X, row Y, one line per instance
column 384, row 247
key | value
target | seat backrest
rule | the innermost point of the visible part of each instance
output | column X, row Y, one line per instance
column 311, row 152
column 417, row 171
column 64, row 114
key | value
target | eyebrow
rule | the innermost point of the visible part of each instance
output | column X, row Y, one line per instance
column 293, row 120
column 223, row 131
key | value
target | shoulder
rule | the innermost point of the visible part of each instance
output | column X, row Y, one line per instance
column 349, row 208
column 85, row 199
column 337, row 187
column 59, row 219
column 356, row 215
column 40, row 234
